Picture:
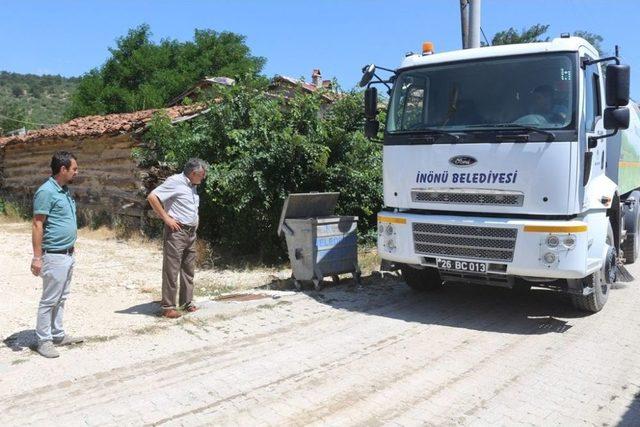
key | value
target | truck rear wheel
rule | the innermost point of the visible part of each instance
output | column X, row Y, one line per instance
column 631, row 245
column 425, row 279
column 599, row 281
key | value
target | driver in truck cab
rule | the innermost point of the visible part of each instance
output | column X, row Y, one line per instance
column 543, row 104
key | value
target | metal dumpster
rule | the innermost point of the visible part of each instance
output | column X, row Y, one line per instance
column 319, row 243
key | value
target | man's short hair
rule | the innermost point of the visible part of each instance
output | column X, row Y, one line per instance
column 195, row 164
column 60, row 159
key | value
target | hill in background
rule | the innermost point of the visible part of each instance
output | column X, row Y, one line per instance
column 34, row 99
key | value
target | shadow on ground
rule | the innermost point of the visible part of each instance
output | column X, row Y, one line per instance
column 147, row 308
column 457, row 305
column 21, row 340
column 632, row 416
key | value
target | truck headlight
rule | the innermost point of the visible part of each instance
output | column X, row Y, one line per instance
column 391, row 244
column 380, row 228
column 389, row 230
column 569, row 241
column 552, row 241
column 549, row 257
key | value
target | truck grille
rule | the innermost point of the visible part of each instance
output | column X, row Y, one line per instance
column 477, row 197
column 464, row 241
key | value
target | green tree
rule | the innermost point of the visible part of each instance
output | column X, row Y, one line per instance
column 534, row 34
column 141, row 74
column 262, row 148
column 527, row 35
column 12, row 116
column 594, row 39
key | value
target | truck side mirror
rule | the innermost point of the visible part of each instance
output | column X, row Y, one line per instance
column 371, row 128
column 370, row 103
column 617, row 86
column 616, row 118
column 368, row 72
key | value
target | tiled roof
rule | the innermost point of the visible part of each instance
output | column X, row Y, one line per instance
column 101, row 125
column 328, row 95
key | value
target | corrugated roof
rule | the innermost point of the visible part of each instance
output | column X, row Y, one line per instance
column 101, row 125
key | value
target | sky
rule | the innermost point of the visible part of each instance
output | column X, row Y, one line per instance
column 337, row 36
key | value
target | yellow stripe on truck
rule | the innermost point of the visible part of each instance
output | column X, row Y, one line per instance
column 556, row 228
column 392, row 219
column 629, row 164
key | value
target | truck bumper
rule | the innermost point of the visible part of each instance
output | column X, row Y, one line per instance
column 517, row 247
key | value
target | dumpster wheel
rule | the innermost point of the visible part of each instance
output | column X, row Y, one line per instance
column 357, row 277
column 317, row 284
column 297, row 284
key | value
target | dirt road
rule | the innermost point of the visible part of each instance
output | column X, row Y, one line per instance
column 343, row 356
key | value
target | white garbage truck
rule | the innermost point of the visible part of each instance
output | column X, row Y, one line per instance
column 512, row 165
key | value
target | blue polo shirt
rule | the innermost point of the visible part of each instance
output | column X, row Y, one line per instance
column 60, row 226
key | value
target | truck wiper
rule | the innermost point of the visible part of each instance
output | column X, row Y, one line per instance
column 515, row 126
column 431, row 131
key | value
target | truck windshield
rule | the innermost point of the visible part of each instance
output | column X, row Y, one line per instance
column 533, row 90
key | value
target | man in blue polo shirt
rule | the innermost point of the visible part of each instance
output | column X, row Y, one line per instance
column 54, row 233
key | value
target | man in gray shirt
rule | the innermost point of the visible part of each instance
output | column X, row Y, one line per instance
column 176, row 202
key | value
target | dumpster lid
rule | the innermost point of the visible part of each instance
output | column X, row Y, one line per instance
column 307, row 205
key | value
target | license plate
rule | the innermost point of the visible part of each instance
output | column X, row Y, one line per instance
column 469, row 266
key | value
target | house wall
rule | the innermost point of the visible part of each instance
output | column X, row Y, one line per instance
column 1, row 167
column 109, row 183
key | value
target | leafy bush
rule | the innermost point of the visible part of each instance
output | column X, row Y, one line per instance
column 261, row 148
column 18, row 209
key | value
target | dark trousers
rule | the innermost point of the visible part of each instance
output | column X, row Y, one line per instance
column 179, row 258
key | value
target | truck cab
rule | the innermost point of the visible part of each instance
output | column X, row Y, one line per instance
column 501, row 166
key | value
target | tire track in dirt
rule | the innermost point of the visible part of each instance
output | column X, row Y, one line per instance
column 298, row 387
column 187, row 359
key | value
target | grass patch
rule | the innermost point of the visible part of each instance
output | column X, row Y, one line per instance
column 368, row 259
column 18, row 361
column 273, row 306
column 13, row 211
column 101, row 338
column 147, row 330
column 213, row 290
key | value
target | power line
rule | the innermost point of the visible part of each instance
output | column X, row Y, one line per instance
column 485, row 37
column 25, row 121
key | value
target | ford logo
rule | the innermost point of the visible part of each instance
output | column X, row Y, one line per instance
column 463, row 161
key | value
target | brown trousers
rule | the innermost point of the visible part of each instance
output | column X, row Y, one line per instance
column 179, row 258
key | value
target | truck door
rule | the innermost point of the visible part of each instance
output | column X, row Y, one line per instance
column 592, row 125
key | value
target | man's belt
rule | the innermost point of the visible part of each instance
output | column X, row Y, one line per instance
column 68, row 251
column 187, row 227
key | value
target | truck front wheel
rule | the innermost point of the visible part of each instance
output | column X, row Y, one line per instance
column 599, row 281
column 424, row 279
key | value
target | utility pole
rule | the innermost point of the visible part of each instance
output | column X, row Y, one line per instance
column 474, row 23
column 464, row 22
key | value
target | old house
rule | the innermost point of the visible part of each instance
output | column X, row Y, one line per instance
column 194, row 93
column 111, row 182
column 288, row 86
column 279, row 86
